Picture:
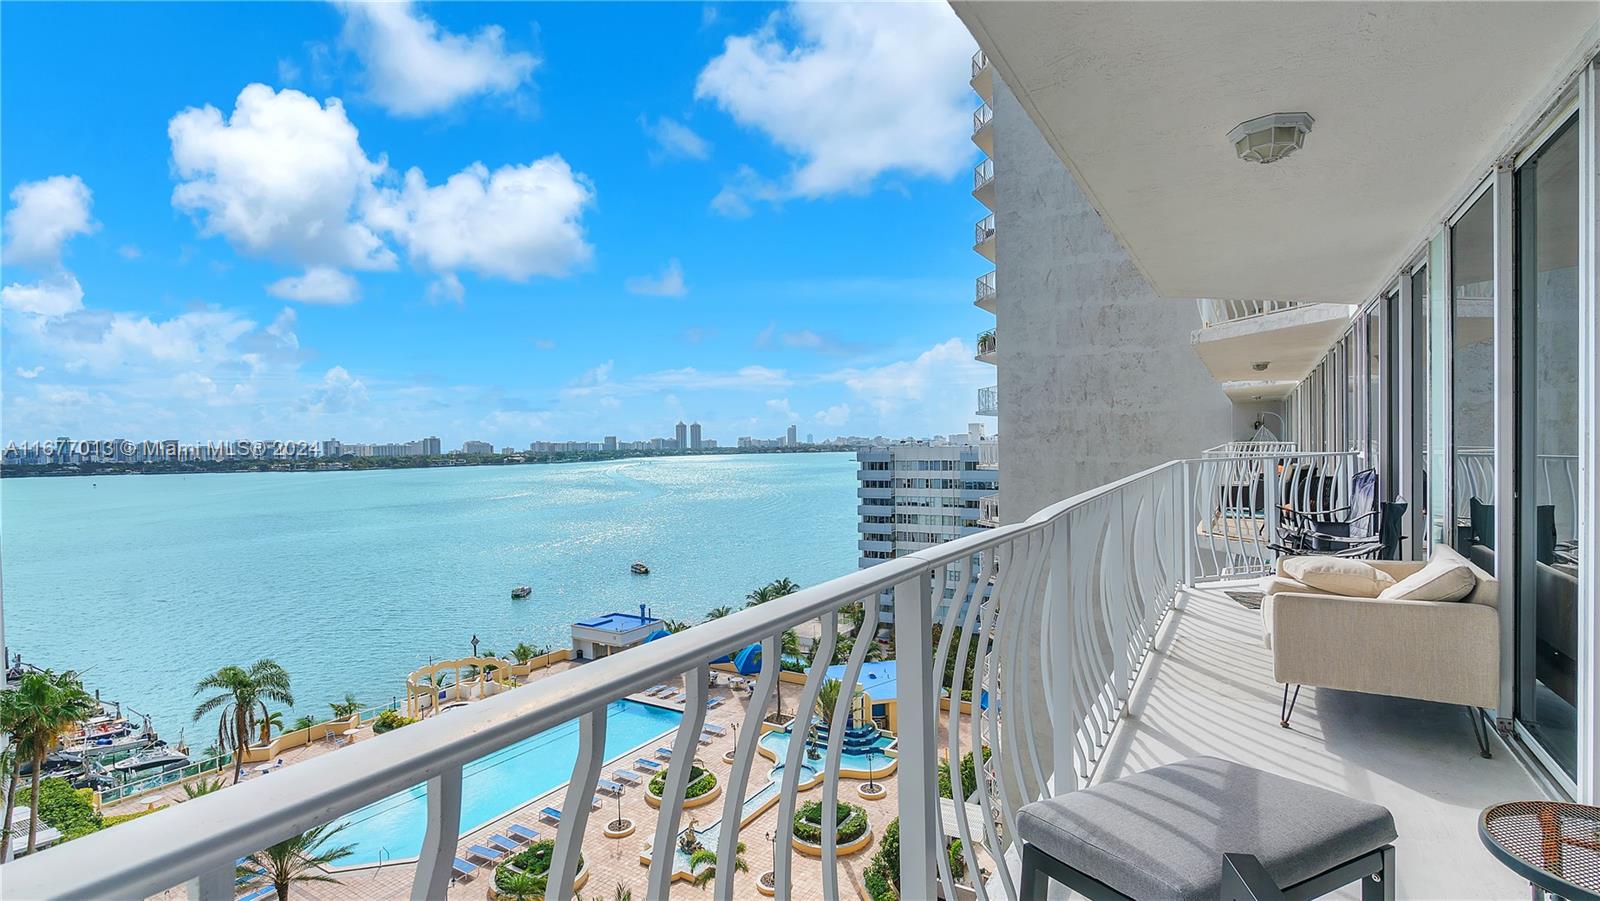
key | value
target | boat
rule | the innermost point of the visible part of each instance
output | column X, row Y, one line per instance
column 100, row 747
column 521, row 591
column 160, row 756
column 639, row 569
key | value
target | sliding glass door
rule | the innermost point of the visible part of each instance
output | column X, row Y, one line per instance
column 1472, row 383
column 1548, row 555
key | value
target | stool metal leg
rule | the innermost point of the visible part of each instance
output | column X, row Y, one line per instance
column 1035, row 885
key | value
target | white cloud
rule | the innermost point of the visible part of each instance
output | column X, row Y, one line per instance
column 836, row 415
column 339, row 392
column 415, row 67
column 860, row 89
column 939, row 385
column 515, row 222
column 597, row 382
column 668, row 284
column 279, row 178
column 45, row 214
column 55, row 296
column 33, row 373
column 675, row 139
column 129, row 251
column 319, row 284
column 447, row 288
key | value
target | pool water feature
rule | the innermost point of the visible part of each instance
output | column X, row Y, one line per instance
column 494, row 785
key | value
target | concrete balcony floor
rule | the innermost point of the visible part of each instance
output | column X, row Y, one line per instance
column 1207, row 689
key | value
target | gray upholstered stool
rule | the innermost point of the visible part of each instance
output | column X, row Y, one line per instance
column 1206, row 829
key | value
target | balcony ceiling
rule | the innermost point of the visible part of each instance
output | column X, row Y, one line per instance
column 1290, row 342
column 1410, row 99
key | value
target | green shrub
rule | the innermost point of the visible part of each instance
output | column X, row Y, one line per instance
column 68, row 809
column 389, row 720
column 852, row 820
column 125, row 817
column 534, row 859
column 879, row 886
column 883, row 873
column 701, row 780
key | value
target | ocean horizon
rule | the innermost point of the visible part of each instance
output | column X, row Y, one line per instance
column 351, row 580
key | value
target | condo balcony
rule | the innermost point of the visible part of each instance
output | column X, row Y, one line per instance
column 985, row 292
column 989, row 401
column 1031, row 640
column 982, row 134
column 983, row 183
column 987, row 349
column 989, row 454
column 1259, row 350
column 982, row 76
column 983, row 237
column 989, row 511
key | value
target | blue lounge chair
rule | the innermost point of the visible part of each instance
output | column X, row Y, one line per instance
column 628, row 777
column 492, row 855
column 714, row 729
column 259, row 893
column 714, row 702
column 664, row 753
column 606, row 785
column 503, row 843
column 553, row 814
column 462, row 869
column 523, row 832
column 650, row 765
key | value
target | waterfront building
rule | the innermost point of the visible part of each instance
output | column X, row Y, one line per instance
column 610, row 443
column 681, row 436
column 917, row 495
column 481, row 448
column 1433, row 169
column 695, row 441
column 789, row 437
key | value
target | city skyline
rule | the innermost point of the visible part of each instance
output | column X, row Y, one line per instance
column 159, row 279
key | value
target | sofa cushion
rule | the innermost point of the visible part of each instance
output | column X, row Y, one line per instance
column 1336, row 575
column 1161, row 834
column 1447, row 577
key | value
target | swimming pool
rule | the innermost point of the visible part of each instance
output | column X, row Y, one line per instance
column 491, row 786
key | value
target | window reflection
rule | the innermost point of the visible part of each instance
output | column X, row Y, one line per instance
column 1472, row 381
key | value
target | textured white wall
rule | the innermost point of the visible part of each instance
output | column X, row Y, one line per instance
column 1097, row 377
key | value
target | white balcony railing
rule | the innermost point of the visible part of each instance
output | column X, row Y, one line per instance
column 989, row 401
column 989, row 454
column 982, row 174
column 1217, row 312
column 981, row 117
column 987, row 343
column 1555, row 485
column 980, row 61
column 984, row 230
column 1252, row 447
column 985, row 287
column 1059, row 613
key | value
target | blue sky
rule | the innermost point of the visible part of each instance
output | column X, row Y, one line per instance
column 498, row 221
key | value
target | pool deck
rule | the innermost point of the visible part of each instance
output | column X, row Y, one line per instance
column 614, row 862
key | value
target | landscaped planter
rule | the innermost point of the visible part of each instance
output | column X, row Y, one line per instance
column 703, row 788
column 538, row 855
column 854, row 832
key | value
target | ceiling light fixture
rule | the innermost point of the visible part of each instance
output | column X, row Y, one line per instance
column 1270, row 138
column 1261, row 366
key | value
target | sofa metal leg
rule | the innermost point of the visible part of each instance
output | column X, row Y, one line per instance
column 1380, row 885
column 1480, row 732
column 1288, row 705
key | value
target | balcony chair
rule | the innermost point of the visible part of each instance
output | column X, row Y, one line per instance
column 1205, row 829
column 1368, row 529
column 1408, row 630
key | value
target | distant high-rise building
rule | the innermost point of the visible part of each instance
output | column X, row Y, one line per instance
column 682, row 435
column 694, row 436
column 477, row 448
column 611, row 442
column 790, row 438
column 810, row 438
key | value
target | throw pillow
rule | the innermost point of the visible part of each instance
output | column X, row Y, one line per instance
column 1337, row 575
column 1447, row 577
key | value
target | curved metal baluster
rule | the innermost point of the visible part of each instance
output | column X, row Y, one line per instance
column 743, row 758
column 579, row 798
column 977, row 722
column 941, row 657
column 1033, row 616
column 789, row 791
column 678, row 772
column 953, row 733
column 837, row 723
column 984, row 724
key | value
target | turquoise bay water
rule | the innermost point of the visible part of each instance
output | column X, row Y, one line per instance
column 493, row 785
column 351, row 580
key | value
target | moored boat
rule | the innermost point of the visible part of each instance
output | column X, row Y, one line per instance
column 157, row 757
column 639, row 569
column 521, row 591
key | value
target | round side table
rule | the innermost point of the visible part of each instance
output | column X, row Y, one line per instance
column 1552, row 844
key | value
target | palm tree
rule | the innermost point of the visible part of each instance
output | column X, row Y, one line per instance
column 343, row 710
column 524, row 652
column 302, row 723
column 244, row 695
column 42, row 707
column 301, row 858
column 854, row 614
column 759, row 596
column 709, row 858
column 275, row 718
column 718, row 612
column 781, row 587
column 519, row 885
column 828, row 696
column 195, row 789
column 674, row 625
